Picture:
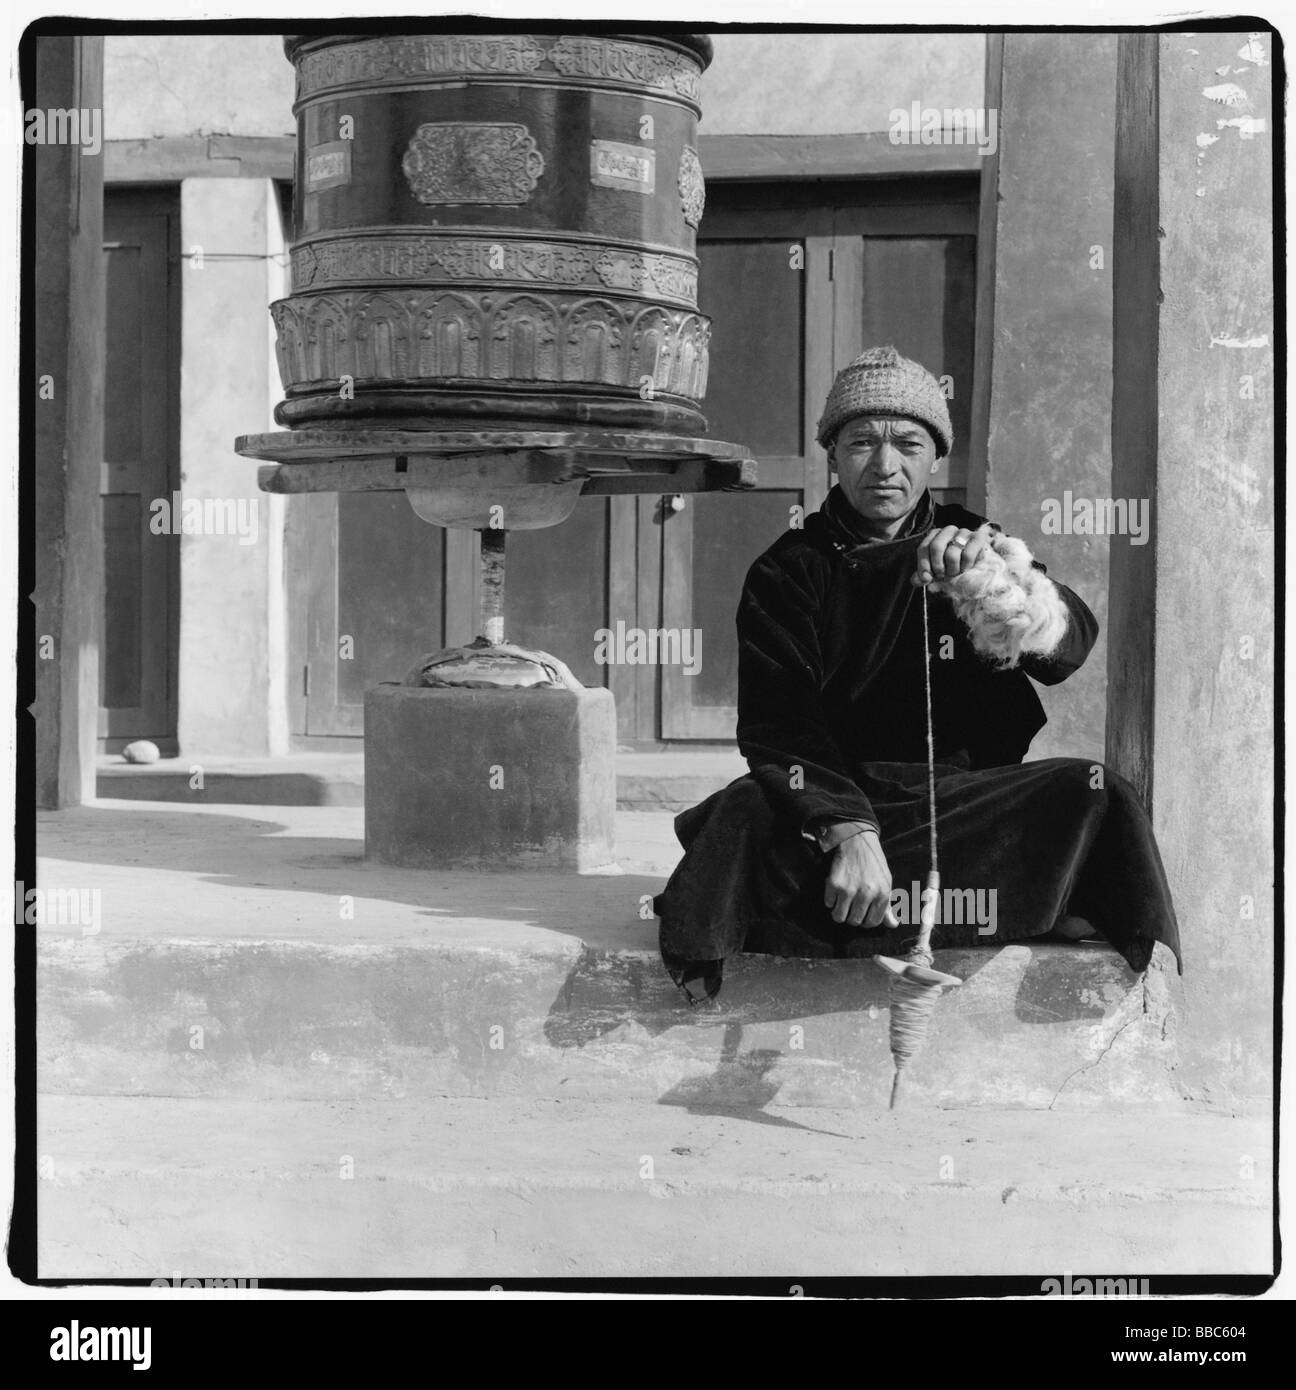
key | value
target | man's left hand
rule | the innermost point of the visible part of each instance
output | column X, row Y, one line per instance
column 947, row 553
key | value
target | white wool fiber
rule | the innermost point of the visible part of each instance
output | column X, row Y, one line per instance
column 1009, row 608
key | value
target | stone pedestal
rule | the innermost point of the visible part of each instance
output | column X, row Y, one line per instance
column 490, row 779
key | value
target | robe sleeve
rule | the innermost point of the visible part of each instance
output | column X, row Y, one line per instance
column 783, row 730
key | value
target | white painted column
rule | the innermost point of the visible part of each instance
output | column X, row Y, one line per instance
column 232, row 624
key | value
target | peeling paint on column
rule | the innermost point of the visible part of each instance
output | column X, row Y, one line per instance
column 1225, row 94
column 1246, row 126
column 1238, row 478
column 1204, row 141
column 1253, row 51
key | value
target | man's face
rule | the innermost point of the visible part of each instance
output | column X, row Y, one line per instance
column 882, row 464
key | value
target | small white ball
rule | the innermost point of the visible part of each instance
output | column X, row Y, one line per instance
column 141, row 751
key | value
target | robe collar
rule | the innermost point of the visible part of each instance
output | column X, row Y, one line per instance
column 844, row 529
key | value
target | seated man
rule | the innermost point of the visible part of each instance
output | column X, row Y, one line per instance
column 800, row 857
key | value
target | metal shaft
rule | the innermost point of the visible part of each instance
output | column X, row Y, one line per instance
column 492, row 585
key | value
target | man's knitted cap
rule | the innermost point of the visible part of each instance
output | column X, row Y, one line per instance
column 881, row 382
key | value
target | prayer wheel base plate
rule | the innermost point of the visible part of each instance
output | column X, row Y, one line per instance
column 456, row 477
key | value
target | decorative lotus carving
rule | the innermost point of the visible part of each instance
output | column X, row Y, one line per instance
column 374, row 336
column 368, row 259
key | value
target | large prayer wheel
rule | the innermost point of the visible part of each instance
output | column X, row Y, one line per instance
column 495, row 230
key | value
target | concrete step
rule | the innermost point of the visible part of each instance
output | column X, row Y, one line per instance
column 296, row 779
column 245, row 957
column 666, row 781
column 1035, row 1027
column 144, row 1187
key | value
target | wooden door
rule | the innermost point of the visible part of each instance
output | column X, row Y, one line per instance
column 797, row 285
column 907, row 276
column 763, row 280
column 373, row 588
column 137, row 663
column 367, row 599
column 556, row 588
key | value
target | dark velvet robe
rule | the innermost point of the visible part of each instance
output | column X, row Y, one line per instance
column 832, row 722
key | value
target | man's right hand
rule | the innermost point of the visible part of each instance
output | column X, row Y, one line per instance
column 858, row 888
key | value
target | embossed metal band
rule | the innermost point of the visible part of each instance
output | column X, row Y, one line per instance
column 424, row 335
column 451, row 57
column 417, row 259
